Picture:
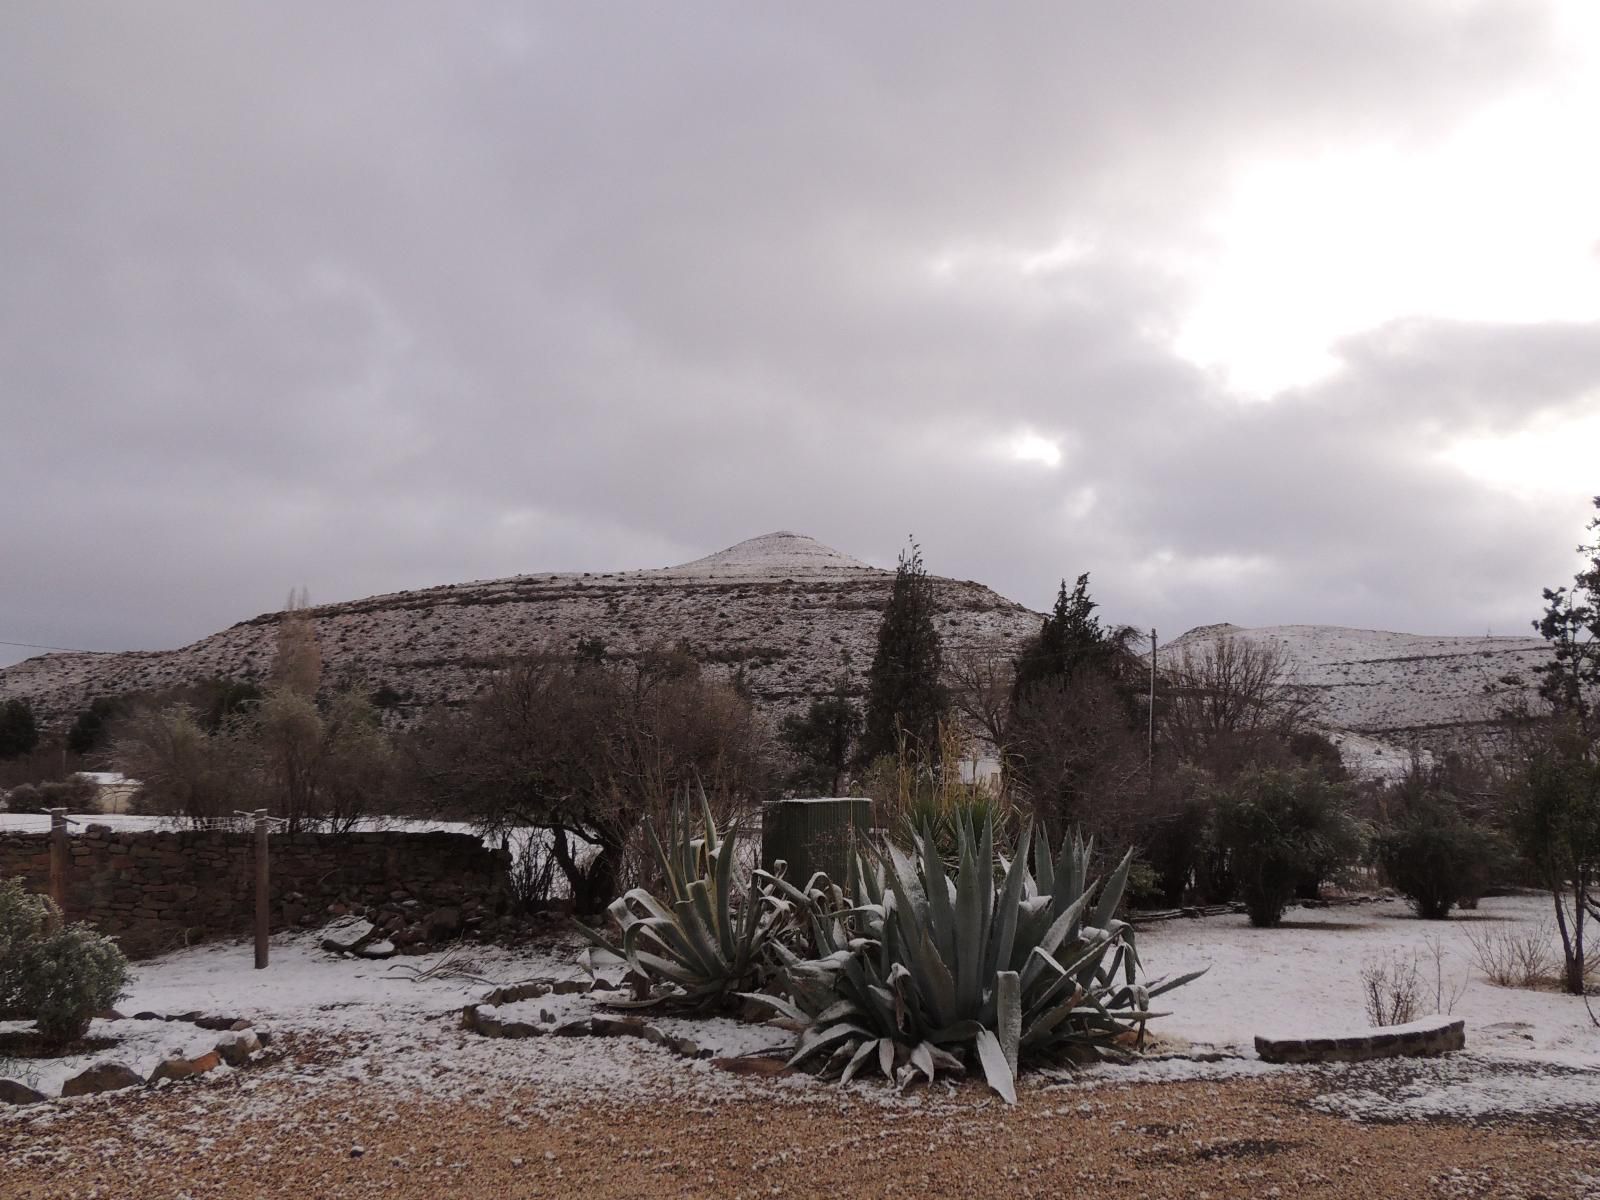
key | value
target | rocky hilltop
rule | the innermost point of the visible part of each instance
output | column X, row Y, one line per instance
column 1378, row 693
column 782, row 609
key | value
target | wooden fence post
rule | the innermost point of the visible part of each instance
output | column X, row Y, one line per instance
column 263, row 904
column 59, row 856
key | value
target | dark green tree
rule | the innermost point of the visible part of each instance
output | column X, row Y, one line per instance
column 1556, row 814
column 1073, row 729
column 1571, row 624
column 1071, row 640
column 906, row 697
column 88, row 731
column 823, row 741
column 19, row 732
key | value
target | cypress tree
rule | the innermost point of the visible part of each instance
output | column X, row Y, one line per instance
column 1070, row 639
column 905, row 694
column 19, row 733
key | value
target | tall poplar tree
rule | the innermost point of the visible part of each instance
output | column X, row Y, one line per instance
column 905, row 690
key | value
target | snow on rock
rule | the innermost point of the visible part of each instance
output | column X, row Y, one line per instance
column 141, row 1046
column 773, row 556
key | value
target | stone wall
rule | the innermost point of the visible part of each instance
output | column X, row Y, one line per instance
column 156, row 891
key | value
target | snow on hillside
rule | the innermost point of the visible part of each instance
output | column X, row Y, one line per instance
column 1379, row 691
column 772, row 555
column 782, row 610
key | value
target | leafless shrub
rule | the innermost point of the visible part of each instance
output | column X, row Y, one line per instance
column 1392, row 990
column 1513, row 957
column 1445, row 995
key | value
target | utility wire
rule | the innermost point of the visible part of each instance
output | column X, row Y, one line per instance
column 36, row 646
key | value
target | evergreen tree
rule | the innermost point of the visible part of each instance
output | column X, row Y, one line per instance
column 1571, row 624
column 823, row 740
column 19, row 732
column 905, row 693
column 1070, row 640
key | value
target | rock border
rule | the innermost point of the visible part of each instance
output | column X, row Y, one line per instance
column 481, row 1019
column 1398, row 1041
column 239, row 1045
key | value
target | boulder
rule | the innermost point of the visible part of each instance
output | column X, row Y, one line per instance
column 221, row 1024
column 376, row 950
column 102, row 1077
column 236, row 1048
column 12, row 1092
column 444, row 923
column 346, row 935
column 178, row 1067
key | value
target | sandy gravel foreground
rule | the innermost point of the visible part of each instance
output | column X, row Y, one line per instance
column 1219, row 1139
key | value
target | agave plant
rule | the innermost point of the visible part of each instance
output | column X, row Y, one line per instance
column 919, row 969
column 702, row 942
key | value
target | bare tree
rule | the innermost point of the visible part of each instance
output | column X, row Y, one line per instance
column 1230, row 703
column 980, row 684
column 587, row 753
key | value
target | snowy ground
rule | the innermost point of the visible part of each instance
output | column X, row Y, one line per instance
column 131, row 822
column 339, row 1022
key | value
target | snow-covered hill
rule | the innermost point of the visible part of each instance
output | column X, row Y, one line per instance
column 1379, row 693
column 782, row 608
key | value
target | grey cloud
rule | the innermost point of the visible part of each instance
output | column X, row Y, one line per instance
column 366, row 296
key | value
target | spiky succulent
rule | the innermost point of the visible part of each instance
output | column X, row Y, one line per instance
column 919, row 969
column 702, row 942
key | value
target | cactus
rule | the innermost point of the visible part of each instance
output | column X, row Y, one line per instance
column 913, row 968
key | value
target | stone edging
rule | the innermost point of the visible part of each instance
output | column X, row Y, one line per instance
column 239, row 1044
column 1397, row 1042
column 481, row 1018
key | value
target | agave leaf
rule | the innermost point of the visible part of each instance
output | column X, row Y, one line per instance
column 650, row 965
column 784, row 1008
column 886, row 1057
column 815, row 1040
column 1111, row 894
column 922, row 1059
column 996, row 1070
column 1044, row 871
column 1008, row 1015
column 955, row 1033
column 939, row 911
column 934, row 983
column 970, row 932
column 1010, row 908
column 711, row 824
column 858, row 1059
column 1166, row 985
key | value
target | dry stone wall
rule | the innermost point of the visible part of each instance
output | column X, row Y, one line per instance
column 159, row 890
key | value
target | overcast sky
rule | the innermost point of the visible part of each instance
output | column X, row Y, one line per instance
column 1261, row 312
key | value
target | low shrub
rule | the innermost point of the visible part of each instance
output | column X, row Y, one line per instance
column 1436, row 859
column 1392, row 991
column 1514, row 957
column 1278, row 828
column 57, row 976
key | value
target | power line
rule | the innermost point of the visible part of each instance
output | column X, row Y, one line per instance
column 36, row 646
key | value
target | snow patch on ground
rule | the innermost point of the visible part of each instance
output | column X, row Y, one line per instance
column 141, row 1046
column 341, row 1024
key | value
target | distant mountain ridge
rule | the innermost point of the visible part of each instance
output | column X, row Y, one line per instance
column 784, row 611
column 783, row 608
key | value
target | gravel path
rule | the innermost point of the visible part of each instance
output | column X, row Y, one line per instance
column 1249, row 1137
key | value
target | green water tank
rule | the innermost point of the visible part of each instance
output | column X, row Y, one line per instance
column 813, row 835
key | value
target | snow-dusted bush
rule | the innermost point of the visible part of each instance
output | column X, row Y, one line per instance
column 1435, row 859
column 1278, row 828
column 59, row 976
